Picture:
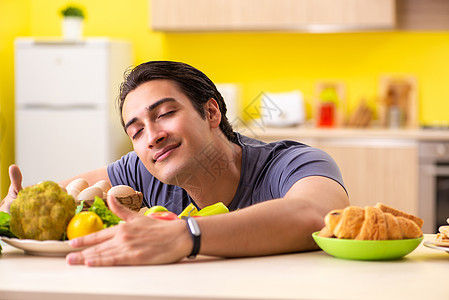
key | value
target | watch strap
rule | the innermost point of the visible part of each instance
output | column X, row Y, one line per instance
column 195, row 232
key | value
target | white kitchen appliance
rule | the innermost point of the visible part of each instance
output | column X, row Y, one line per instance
column 66, row 120
column 282, row 109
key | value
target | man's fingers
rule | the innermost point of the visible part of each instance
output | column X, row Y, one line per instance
column 98, row 238
column 77, row 258
column 99, row 243
column 16, row 180
column 120, row 210
column 101, row 258
column 14, row 188
column 93, row 238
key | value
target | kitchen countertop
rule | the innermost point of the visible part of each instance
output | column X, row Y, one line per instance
column 345, row 133
column 310, row 275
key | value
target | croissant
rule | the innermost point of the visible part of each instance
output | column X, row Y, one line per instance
column 379, row 222
column 442, row 238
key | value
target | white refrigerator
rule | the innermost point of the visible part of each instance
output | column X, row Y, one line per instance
column 66, row 117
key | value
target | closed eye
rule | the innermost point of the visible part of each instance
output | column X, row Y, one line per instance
column 166, row 114
column 136, row 135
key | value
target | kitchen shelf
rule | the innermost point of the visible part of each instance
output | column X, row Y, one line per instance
column 272, row 15
column 350, row 133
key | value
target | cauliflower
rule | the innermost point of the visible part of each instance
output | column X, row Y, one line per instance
column 42, row 212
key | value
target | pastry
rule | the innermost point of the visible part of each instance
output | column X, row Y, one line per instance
column 399, row 213
column 350, row 223
column 442, row 238
column 378, row 222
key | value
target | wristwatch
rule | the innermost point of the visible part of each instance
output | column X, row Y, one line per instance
column 195, row 232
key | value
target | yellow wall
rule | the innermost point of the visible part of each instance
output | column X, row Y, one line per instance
column 258, row 61
column 276, row 62
column 14, row 21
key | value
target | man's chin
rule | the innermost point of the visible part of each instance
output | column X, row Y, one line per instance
column 180, row 179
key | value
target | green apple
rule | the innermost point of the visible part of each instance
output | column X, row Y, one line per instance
column 154, row 209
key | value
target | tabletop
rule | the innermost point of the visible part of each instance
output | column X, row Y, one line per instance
column 308, row 275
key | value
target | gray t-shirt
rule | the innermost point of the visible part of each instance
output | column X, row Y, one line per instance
column 268, row 171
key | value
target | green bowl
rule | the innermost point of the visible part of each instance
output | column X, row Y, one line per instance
column 366, row 250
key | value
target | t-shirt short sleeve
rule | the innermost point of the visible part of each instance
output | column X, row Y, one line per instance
column 297, row 163
column 269, row 170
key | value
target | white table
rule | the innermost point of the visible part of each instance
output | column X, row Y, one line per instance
column 311, row 275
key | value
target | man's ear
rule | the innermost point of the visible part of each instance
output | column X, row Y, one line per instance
column 213, row 114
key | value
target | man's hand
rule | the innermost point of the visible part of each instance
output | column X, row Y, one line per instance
column 16, row 185
column 141, row 240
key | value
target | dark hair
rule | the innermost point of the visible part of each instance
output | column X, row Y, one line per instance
column 192, row 82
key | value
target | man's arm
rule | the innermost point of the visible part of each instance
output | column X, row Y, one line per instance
column 92, row 176
column 271, row 227
column 277, row 226
column 16, row 183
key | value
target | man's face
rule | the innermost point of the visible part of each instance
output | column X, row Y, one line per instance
column 165, row 129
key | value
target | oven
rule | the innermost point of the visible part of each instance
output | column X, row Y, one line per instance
column 434, row 184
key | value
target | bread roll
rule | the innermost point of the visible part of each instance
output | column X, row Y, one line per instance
column 398, row 213
column 371, row 223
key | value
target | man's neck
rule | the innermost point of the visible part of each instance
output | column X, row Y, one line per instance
column 218, row 173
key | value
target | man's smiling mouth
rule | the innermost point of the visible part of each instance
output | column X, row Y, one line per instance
column 164, row 153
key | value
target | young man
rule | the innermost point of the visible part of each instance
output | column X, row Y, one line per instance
column 185, row 151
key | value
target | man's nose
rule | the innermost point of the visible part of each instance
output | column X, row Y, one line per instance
column 156, row 136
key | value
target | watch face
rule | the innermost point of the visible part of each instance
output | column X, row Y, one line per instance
column 193, row 226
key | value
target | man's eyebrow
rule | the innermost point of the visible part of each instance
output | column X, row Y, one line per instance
column 160, row 102
column 150, row 108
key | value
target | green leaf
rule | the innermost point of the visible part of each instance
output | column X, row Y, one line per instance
column 4, row 225
column 108, row 217
column 79, row 208
column 73, row 11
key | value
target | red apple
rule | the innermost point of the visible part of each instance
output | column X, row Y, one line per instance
column 164, row 215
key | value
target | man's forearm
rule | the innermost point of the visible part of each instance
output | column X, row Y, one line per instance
column 91, row 177
column 262, row 229
column 276, row 226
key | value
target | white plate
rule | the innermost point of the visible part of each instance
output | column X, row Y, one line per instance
column 429, row 244
column 41, row 248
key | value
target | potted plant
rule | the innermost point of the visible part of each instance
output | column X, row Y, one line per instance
column 72, row 22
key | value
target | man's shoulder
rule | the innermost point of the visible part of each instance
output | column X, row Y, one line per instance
column 244, row 140
column 258, row 145
column 129, row 165
column 130, row 160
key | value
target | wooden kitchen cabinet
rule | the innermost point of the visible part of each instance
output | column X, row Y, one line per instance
column 271, row 15
column 377, row 166
column 386, row 172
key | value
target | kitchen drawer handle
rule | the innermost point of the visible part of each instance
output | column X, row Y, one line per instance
column 442, row 171
column 435, row 170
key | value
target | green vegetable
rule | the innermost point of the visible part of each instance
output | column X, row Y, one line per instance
column 4, row 225
column 108, row 217
column 79, row 208
column 42, row 212
column 214, row 209
column 190, row 210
